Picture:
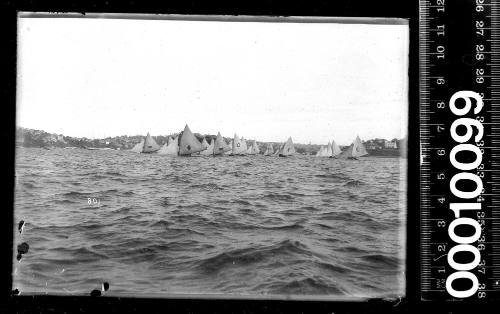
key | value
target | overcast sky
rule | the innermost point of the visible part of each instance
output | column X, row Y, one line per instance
column 98, row 77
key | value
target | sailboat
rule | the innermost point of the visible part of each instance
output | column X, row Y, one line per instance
column 204, row 146
column 147, row 145
column 210, row 149
column 237, row 146
column 335, row 150
column 163, row 148
column 288, row 149
column 138, row 147
column 172, row 148
column 255, row 148
column 269, row 150
column 249, row 151
column 321, row 152
column 329, row 151
column 244, row 146
column 356, row 150
column 220, row 145
column 188, row 143
column 332, row 150
column 150, row 145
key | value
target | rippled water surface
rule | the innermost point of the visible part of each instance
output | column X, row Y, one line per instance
column 251, row 225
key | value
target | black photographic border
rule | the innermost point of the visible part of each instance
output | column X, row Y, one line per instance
column 406, row 9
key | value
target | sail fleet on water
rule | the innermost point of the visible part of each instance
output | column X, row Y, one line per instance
column 186, row 144
column 332, row 150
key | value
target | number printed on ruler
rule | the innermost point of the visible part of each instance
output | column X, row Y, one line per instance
column 468, row 198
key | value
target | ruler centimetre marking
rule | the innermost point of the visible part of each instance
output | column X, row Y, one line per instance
column 459, row 50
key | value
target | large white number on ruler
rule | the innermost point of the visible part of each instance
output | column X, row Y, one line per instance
column 464, row 242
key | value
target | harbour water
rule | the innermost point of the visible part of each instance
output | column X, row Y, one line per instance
column 247, row 225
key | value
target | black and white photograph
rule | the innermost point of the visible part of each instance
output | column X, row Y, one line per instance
column 231, row 157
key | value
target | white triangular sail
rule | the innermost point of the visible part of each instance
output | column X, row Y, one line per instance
column 138, row 147
column 358, row 149
column 237, row 146
column 269, row 150
column 210, row 149
column 150, row 145
column 188, row 143
column 171, row 149
column 220, row 146
column 335, row 149
column 169, row 139
column 355, row 150
column 329, row 151
column 162, row 149
column 325, row 151
column 288, row 149
column 255, row 148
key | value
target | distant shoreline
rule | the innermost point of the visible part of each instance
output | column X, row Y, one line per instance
column 38, row 138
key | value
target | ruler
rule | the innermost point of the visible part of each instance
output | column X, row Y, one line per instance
column 459, row 61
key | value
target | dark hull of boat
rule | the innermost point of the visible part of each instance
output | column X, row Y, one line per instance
column 220, row 154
